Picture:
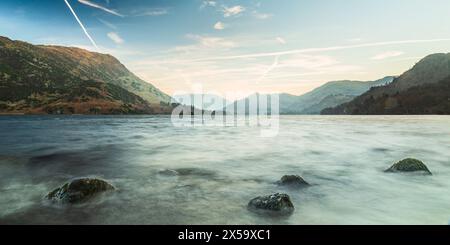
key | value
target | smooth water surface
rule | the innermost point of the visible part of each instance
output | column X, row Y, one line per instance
column 342, row 157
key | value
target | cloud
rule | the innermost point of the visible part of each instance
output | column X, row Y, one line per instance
column 308, row 61
column 97, row 6
column 81, row 24
column 281, row 40
column 108, row 24
column 232, row 11
column 212, row 42
column 355, row 40
column 204, row 44
column 219, row 26
column 325, row 49
column 114, row 36
column 208, row 4
column 150, row 12
column 386, row 55
column 262, row 16
column 209, row 61
column 269, row 69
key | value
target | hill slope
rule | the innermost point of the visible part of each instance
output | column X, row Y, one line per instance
column 328, row 95
column 333, row 94
column 417, row 91
column 41, row 79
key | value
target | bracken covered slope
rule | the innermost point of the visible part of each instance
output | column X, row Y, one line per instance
column 53, row 79
column 424, row 89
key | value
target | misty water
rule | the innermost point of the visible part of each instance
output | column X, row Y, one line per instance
column 223, row 168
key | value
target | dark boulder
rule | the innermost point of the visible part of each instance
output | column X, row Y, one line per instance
column 292, row 181
column 275, row 204
column 409, row 165
column 79, row 190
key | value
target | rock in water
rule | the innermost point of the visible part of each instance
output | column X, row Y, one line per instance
column 276, row 203
column 409, row 165
column 168, row 172
column 79, row 190
column 293, row 181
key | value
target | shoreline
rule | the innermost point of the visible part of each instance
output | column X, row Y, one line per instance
column 168, row 114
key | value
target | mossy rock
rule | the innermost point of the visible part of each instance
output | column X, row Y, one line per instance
column 409, row 165
column 79, row 190
column 292, row 181
column 273, row 204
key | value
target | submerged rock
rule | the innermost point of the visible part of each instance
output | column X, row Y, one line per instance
column 168, row 172
column 409, row 165
column 195, row 172
column 198, row 172
column 79, row 190
column 292, row 181
column 276, row 203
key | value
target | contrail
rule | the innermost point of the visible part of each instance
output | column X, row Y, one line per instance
column 315, row 50
column 94, row 5
column 271, row 68
column 299, row 51
column 81, row 24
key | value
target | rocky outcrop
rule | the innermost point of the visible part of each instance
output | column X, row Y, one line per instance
column 275, row 204
column 292, row 181
column 409, row 165
column 79, row 190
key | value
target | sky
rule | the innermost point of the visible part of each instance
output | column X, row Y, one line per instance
column 240, row 46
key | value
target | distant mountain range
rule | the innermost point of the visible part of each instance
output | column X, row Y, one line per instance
column 424, row 89
column 39, row 79
column 329, row 95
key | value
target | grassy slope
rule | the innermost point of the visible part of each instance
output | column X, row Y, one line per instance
column 426, row 76
column 48, row 79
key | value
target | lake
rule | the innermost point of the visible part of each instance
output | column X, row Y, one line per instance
column 343, row 157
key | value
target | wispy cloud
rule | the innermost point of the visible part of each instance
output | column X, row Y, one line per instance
column 386, row 55
column 232, row 11
column 81, row 24
column 280, row 40
column 150, row 12
column 115, row 37
column 211, row 42
column 108, row 24
column 219, row 26
column 308, row 61
column 97, row 6
column 208, row 4
column 325, row 49
column 355, row 40
column 261, row 16
column 271, row 68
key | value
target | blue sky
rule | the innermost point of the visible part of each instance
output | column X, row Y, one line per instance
column 228, row 46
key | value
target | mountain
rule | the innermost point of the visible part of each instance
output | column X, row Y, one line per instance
column 54, row 79
column 210, row 102
column 329, row 95
column 421, row 90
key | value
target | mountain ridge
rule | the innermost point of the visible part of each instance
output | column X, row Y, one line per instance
column 44, row 78
column 421, row 83
column 330, row 94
